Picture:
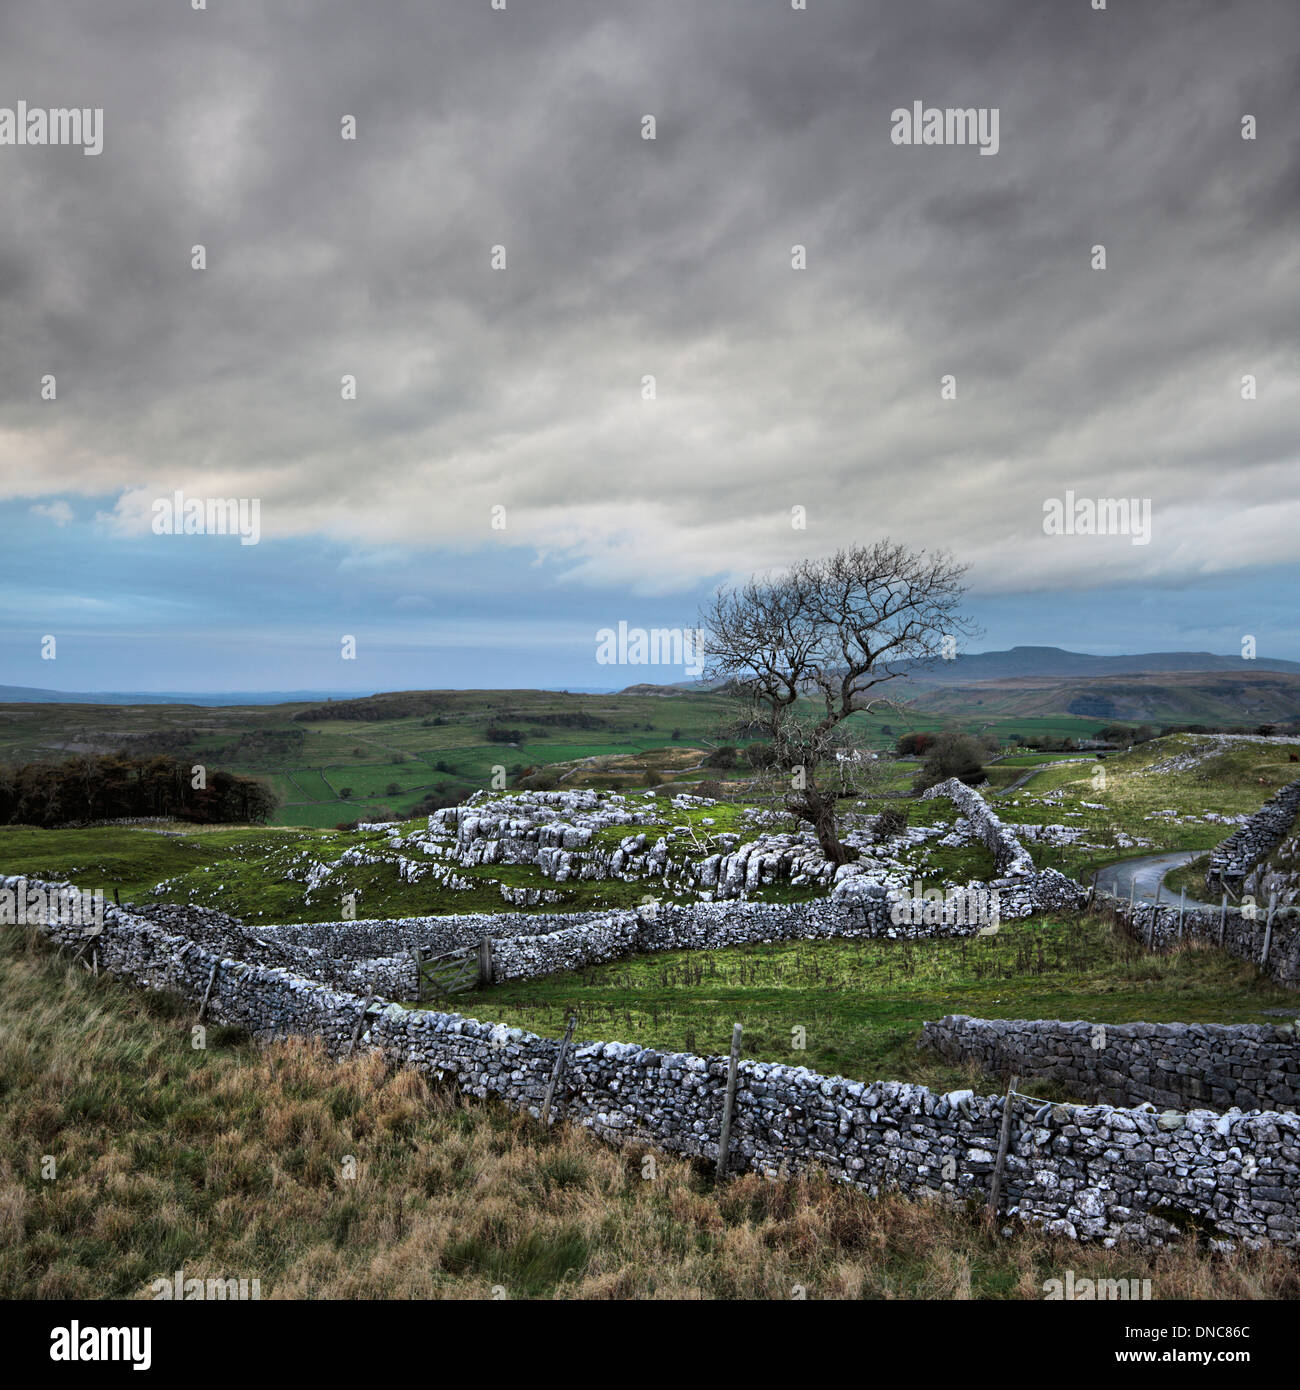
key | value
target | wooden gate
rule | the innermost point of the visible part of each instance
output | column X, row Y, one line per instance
column 439, row 977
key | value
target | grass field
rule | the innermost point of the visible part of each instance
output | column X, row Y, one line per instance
column 1145, row 793
column 441, row 749
column 229, row 1162
column 857, row 1006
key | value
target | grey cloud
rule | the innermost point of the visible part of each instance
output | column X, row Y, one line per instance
column 668, row 258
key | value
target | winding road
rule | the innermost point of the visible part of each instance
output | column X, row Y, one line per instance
column 1145, row 875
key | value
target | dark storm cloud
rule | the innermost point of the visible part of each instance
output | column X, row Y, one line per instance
column 776, row 388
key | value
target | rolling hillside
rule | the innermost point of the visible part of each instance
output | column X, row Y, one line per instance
column 1056, row 663
column 1176, row 697
column 345, row 759
column 336, row 761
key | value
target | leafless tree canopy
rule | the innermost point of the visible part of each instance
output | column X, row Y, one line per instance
column 804, row 650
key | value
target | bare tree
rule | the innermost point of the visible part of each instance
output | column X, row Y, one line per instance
column 802, row 651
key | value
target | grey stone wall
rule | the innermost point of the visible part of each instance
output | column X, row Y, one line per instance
column 1089, row 1172
column 530, row 946
column 1233, row 858
column 713, row 926
column 382, row 936
column 1242, row 933
column 1178, row 1065
column 375, row 954
column 1009, row 855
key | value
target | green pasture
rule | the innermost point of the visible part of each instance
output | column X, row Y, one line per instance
column 855, row 1008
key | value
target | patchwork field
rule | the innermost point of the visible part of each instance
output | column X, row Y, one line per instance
column 397, row 750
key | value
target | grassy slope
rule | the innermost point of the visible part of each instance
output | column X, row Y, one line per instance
column 1238, row 780
column 228, row 1162
column 861, row 1003
column 367, row 756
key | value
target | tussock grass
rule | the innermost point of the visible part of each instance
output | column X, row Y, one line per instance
column 228, row 1162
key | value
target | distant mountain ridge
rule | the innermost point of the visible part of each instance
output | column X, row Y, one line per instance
column 1200, row 697
column 1056, row 662
column 1048, row 664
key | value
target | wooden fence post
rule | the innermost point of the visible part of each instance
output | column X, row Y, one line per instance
column 1182, row 908
column 724, row 1138
column 558, row 1070
column 1268, row 930
column 356, row 1032
column 1223, row 919
column 1004, row 1142
column 212, row 978
column 485, row 962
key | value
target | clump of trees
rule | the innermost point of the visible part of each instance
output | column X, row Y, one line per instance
column 274, row 745
column 154, row 741
column 952, row 754
column 117, row 786
column 401, row 704
column 803, row 651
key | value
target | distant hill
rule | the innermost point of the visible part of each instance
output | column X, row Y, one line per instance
column 402, row 752
column 30, row 695
column 647, row 688
column 1184, row 697
column 1056, row 662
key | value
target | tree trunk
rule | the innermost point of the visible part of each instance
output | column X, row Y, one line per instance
column 818, row 809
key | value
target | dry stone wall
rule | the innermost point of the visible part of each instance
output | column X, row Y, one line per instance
column 1231, row 860
column 713, row 926
column 1180, row 1065
column 1009, row 855
column 529, row 946
column 1244, row 933
column 1089, row 1172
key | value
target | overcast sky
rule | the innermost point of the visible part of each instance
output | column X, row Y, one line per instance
column 522, row 388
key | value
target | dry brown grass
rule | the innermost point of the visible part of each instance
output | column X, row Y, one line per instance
column 230, row 1162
